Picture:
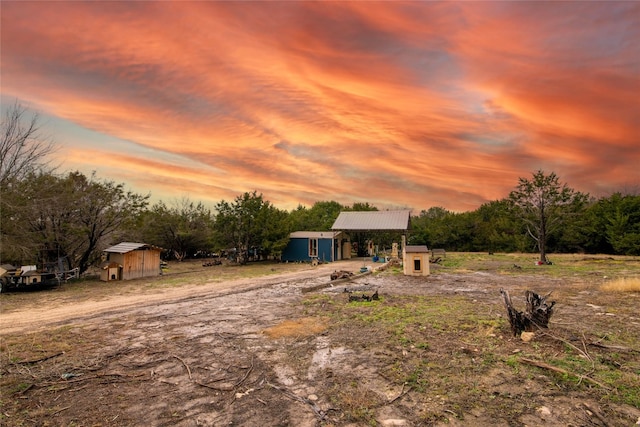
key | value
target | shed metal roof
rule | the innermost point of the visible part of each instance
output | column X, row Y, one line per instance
column 373, row 220
column 124, row 247
column 416, row 249
column 314, row 234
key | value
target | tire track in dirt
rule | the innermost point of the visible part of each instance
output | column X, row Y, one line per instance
column 38, row 318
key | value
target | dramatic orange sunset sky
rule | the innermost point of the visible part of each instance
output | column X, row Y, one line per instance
column 399, row 104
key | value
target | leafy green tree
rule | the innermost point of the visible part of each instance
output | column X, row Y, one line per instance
column 431, row 228
column 22, row 242
column 322, row 215
column 248, row 224
column 298, row 219
column 104, row 211
column 72, row 216
column 497, row 230
column 183, row 228
column 614, row 225
column 275, row 231
column 361, row 207
column 543, row 204
column 570, row 238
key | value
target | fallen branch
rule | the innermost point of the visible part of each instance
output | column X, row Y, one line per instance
column 614, row 347
column 78, row 388
column 42, row 359
column 92, row 377
column 402, row 393
column 229, row 388
column 319, row 412
column 24, row 390
column 562, row 371
column 60, row 410
column 582, row 352
column 598, row 415
column 245, row 375
column 185, row 365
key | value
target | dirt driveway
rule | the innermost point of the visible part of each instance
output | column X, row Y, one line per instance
column 59, row 308
column 290, row 350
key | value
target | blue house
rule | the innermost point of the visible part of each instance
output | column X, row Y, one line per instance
column 325, row 246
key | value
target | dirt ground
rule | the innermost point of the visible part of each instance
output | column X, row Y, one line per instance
column 289, row 349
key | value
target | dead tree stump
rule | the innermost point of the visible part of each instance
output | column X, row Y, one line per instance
column 537, row 313
column 341, row 275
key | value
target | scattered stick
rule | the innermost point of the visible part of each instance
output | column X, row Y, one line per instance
column 185, row 365
column 597, row 413
column 60, row 410
column 78, row 388
column 214, row 387
column 319, row 412
column 562, row 371
column 29, row 387
column 583, row 352
column 93, row 377
column 614, row 347
column 42, row 359
column 245, row 375
column 402, row 393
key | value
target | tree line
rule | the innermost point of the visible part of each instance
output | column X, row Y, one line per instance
column 608, row 225
column 46, row 216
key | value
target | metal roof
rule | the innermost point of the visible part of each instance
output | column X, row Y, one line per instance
column 416, row 249
column 314, row 234
column 124, row 247
column 372, row 220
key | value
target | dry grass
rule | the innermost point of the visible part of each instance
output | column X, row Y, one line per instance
column 624, row 284
column 424, row 353
column 307, row 326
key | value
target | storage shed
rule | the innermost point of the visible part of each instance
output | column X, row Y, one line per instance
column 415, row 260
column 129, row 260
column 305, row 246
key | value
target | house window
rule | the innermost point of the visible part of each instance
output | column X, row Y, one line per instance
column 313, row 248
column 417, row 264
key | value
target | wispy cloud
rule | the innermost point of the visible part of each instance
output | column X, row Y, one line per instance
column 412, row 104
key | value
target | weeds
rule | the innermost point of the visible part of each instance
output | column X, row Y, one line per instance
column 624, row 284
column 439, row 354
column 357, row 403
column 438, row 341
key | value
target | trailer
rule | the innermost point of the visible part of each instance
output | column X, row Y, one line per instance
column 30, row 276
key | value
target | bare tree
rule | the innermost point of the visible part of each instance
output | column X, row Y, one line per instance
column 23, row 148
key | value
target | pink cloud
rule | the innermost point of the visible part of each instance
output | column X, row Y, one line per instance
column 398, row 104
